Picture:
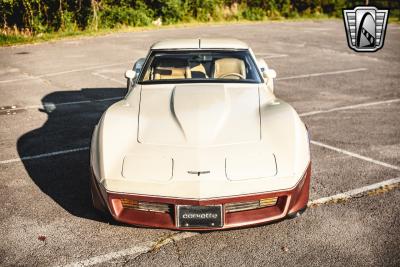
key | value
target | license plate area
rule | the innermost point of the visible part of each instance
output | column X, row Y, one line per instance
column 199, row 216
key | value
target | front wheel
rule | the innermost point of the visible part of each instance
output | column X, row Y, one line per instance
column 97, row 201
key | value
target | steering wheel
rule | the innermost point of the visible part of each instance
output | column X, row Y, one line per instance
column 232, row 74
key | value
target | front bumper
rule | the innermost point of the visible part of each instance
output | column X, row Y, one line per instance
column 289, row 202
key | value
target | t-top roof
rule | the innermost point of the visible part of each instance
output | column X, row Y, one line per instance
column 203, row 43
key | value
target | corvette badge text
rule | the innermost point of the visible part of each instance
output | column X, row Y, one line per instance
column 365, row 28
column 199, row 216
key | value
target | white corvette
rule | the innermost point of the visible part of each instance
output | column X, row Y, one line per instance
column 200, row 142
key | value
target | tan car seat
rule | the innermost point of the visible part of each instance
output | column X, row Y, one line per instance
column 165, row 73
column 225, row 66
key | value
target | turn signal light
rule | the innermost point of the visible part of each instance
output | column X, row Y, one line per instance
column 251, row 205
column 268, row 202
column 145, row 206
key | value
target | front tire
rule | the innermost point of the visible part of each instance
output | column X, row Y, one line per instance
column 97, row 201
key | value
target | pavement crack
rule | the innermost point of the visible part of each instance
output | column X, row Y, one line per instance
column 178, row 252
column 171, row 238
column 344, row 197
column 161, row 242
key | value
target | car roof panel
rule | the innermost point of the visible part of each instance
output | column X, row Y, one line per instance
column 203, row 43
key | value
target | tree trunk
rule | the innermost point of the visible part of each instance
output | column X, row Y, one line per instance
column 95, row 9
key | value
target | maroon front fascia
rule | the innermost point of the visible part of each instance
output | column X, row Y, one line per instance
column 289, row 202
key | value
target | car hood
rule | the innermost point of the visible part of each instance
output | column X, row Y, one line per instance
column 199, row 114
column 199, row 141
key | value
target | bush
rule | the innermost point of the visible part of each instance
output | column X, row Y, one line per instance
column 32, row 17
column 204, row 10
column 254, row 13
column 6, row 39
column 172, row 11
column 68, row 22
column 116, row 16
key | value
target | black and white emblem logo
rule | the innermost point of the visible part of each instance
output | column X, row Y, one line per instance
column 198, row 172
column 365, row 28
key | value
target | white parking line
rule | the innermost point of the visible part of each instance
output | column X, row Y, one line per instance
column 293, row 77
column 108, row 78
column 355, row 155
column 45, row 155
column 350, row 107
column 270, row 55
column 274, row 56
column 135, row 251
column 321, row 74
column 52, row 105
column 146, row 247
column 62, row 152
column 354, row 192
column 63, row 72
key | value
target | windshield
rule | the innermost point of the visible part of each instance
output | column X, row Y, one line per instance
column 200, row 66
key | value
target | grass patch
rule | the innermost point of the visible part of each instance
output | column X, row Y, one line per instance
column 6, row 40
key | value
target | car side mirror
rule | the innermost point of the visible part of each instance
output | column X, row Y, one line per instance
column 269, row 74
column 130, row 74
column 262, row 65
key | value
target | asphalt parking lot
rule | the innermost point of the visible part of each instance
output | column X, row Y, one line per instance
column 52, row 95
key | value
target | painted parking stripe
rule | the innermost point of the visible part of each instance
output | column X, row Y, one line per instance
column 68, row 151
column 301, row 114
column 146, row 247
column 134, row 252
column 292, row 77
column 320, row 74
column 304, row 114
column 52, row 105
column 64, row 72
column 274, row 56
column 363, row 105
column 270, row 55
column 354, row 193
column 45, row 155
column 355, row 155
column 118, row 64
column 108, row 78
